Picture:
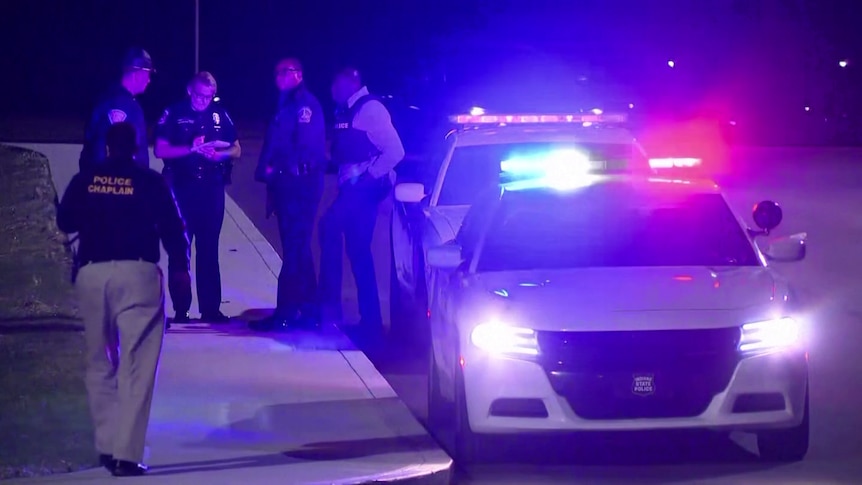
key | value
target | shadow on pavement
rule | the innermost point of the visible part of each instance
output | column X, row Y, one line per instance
column 633, row 458
column 325, row 337
column 285, row 434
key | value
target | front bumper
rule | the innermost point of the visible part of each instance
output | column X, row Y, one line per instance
column 722, row 392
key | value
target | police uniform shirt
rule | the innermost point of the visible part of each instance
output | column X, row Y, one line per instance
column 295, row 136
column 121, row 211
column 117, row 105
column 180, row 125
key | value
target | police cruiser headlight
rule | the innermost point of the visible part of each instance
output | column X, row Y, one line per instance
column 498, row 338
column 768, row 335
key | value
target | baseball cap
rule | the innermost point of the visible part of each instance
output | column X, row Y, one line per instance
column 137, row 58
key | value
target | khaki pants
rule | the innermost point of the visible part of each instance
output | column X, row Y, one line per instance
column 122, row 304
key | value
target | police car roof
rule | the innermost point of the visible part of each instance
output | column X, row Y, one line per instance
column 541, row 133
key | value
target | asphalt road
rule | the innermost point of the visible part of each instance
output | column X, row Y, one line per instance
column 821, row 193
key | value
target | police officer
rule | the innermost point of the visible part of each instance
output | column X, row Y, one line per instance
column 121, row 211
column 198, row 171
column 366, row 148
column 119, row 104
column 292, row 166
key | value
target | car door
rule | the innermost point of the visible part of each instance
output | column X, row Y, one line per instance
column 447, row 288
column 409, row 221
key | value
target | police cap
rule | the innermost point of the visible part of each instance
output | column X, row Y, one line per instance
column 137, row 58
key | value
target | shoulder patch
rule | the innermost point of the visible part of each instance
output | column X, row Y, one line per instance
column 164, row 117
column 116, row 116
column 305, row 114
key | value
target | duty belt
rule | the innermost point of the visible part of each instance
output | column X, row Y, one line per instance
column 297, row 170
column 207, row 170
column 200, row 171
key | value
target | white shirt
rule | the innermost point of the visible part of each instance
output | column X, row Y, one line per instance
column 374, row 119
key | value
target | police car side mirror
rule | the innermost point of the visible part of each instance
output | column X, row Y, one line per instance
column 767, row 215
column 409, row 193
column 787, row 249
column 447, row 257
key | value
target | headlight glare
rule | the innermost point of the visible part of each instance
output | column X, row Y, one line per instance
column 498, row 338
column 770, row 334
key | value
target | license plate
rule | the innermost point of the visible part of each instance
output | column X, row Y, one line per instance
column 643, row 384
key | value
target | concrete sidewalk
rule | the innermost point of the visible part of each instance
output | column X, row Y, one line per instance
column 232, row 406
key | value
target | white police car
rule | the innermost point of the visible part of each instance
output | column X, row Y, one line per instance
column 591, row 301
column 467, row 164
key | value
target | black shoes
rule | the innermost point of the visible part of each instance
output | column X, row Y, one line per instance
column 108, row 462
column 180, row 318
column 122, row 468
column 210, row 317
column 215, row 317
column 129, row 469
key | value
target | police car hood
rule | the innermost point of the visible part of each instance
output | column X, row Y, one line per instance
column 630, row 298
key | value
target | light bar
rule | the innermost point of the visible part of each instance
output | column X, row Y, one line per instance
column 476, row 119
column 674, row 162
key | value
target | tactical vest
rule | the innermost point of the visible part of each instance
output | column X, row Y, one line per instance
column 350, row 145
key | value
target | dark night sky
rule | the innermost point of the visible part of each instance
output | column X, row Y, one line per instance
column 60, row 54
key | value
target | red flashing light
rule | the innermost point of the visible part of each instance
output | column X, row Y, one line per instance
column 537, row 118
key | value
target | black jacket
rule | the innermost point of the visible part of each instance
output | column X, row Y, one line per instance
column 120, row 212
column 116, row 105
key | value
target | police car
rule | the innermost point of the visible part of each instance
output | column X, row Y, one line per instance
column 429, row 212
column 575, row 299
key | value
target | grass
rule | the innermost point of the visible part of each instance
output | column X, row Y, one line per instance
column 44, row 420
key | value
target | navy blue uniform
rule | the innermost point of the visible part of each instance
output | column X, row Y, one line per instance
column 121, row 211
column 292, row 165
column 116, row 105
column 199, row 187
column 353, row 215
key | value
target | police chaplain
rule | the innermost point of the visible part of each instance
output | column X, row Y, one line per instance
column 117, row 105
column 366, row 148
column 121, row 211
column 292, row 164
column 198, row 171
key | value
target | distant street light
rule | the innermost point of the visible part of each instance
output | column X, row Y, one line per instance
column 197, row 35
column 842, row 63
column 671, row 63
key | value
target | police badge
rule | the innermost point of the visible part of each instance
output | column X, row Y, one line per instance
column 116, row 116
column 216, row 118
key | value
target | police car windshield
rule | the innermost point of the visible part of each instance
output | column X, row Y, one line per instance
column 614, row 228
column 476, row 169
